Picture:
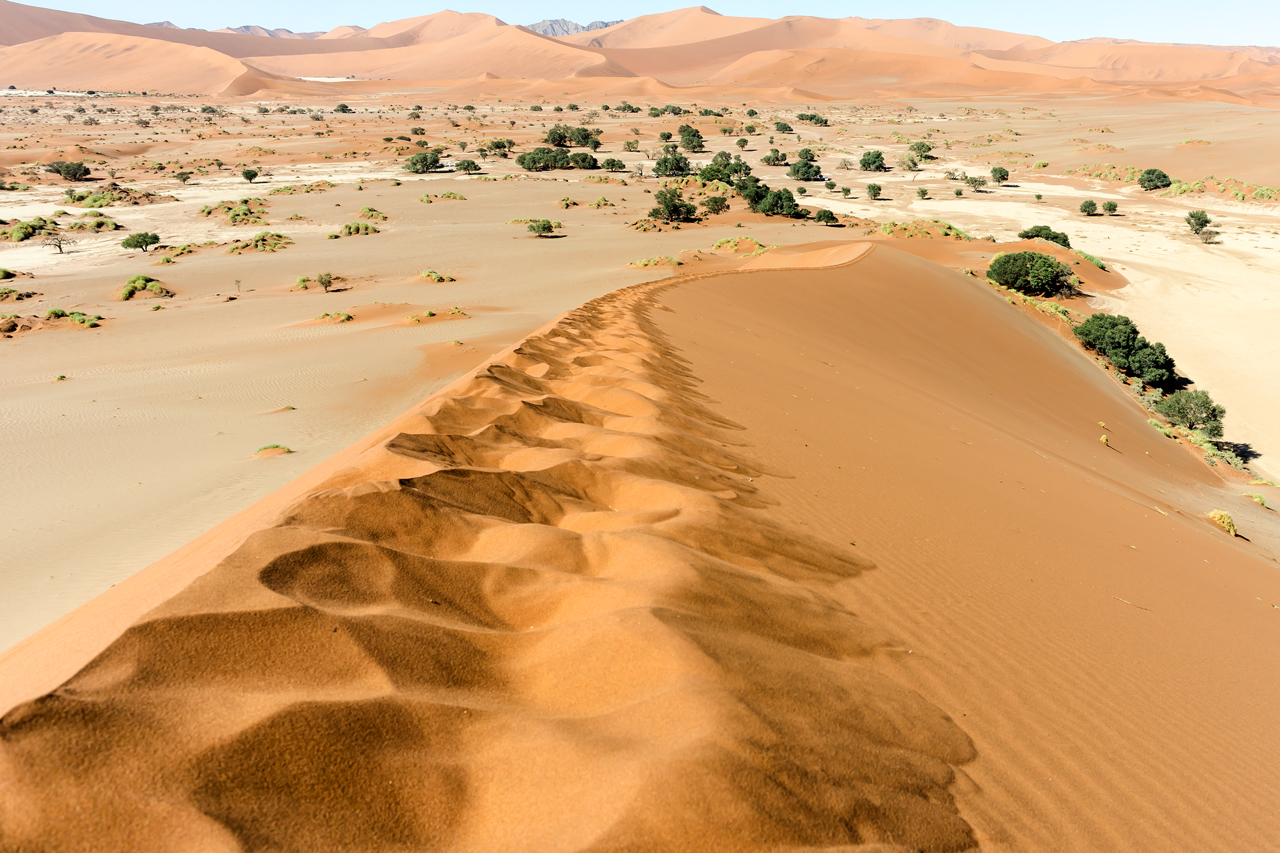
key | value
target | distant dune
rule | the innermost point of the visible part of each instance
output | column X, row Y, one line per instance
column 825, row 58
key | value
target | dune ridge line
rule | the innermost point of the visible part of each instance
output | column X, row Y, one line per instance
column 547, row 610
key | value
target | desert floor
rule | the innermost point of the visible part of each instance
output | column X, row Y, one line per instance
column 151, row 438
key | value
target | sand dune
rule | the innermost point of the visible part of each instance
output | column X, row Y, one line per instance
column 933, row 31
column 556, row 607
column 687, row 47
column 504, row 52
column 84, row 60
column 548, row 613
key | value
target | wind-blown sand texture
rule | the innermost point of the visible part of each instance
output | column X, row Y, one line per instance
column 571, row 606
column 552, row 613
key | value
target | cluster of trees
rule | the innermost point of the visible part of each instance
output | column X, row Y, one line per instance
column 782, row 127
column 564, row 136
column 1044, row 232
column 672, row 164
column 691, row 139
column 707, row 112
column 1031, row 272
column 1089, row 207
column 546, row 159
column 774, row 158
column 724, row 168
column 672, row 109
column 623, row 107
column 497, row 147
column 1116, row 337
column 814, row 119
column 806, row 168
column 1193, row 410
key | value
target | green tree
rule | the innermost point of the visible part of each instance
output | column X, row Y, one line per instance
column 1116, row 337
column 467, row 167
column 249, row 174
column 1089, row 207
column 922, row 192
column 975, row 183
column 691, row 139
column 343, row 108
column 141, row 240
column 1030, row 272
column 423, row 162
column 742, row 144
column 921, row 150
column 613, row 165
column 1044, row 232
column 1153, row 179
column 781, row 127
column 779, row 203
column 1110, row 208
column 805, row 170
column 672, row 207
column 774, row 158
column 182, row 177
column 999, row 174
column 664, row 136
column 541, row 227
column 1194, row 410
column 753, row 191
column 76, row 171
column 830, row 185
column 872, row 161
column 1198, row 220
column 672, row 164
column 873, row 191
column 826, row 217
column 715, row 205
column 807, row 155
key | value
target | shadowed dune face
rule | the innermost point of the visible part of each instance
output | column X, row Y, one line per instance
column 557, row 619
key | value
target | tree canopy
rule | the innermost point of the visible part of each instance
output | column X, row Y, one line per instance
column 1030, row 272
column 1044, row 232
column 1116, row 337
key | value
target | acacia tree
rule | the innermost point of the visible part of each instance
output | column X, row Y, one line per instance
column 1089, row 207
column 141, row 240
column 872, row 161
column 249, row 174
column 999, row 174
column 1197, row 221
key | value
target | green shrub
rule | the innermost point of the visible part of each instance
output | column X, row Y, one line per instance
column 432, row 275
column 1153, row 179
column 1044, row 232
column 872, row 161
column 873, row 191
column 370, row 213
column 352, row 229
column 1197, row 221
column 715, row 205
column 1030, row 272
column 1194, row 410
column 541, row 227
column 1117, row 338
column 423, row 162
column 672, row 207
column 1110, row 208
column 1096, row 261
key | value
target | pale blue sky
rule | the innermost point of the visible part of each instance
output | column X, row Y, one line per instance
column 1234, row 22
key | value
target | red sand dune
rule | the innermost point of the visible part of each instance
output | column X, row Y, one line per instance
column 605, row 594
column 688, row 47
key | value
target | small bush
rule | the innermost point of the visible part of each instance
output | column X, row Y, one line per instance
column 1223, row 519
column 1110, row 208
column 356, row 229
column 1197, row 221
column 370, row 213
column 541, row 227
column 715, row 205
column 432, row 275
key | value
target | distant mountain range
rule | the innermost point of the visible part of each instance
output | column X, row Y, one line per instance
column 561, row 27
column 248, row 30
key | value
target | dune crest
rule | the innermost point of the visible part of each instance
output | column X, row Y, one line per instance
column 550, row 613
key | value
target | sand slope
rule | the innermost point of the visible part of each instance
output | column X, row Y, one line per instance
column 1065, row 601
column 551, row 614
